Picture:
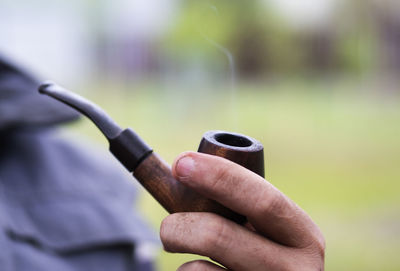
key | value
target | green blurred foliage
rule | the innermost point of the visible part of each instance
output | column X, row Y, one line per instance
column 258, row 39
column 356, row 52
column 263, row 43
column 357, row 38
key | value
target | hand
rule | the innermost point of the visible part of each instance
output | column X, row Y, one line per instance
column 279, row 235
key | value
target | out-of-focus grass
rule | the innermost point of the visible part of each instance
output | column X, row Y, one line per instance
column 333, row 147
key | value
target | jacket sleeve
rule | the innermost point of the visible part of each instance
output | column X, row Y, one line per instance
column 66, row 206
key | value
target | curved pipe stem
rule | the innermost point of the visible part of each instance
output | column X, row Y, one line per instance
column 99, row 117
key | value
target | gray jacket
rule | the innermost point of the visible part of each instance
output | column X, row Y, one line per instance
column 63, row 206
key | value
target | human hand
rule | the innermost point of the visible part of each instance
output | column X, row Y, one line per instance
column 279, row 235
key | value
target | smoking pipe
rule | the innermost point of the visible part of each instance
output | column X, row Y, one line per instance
column 149, row 168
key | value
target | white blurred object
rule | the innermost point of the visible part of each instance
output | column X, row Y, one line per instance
column 137, row 18
column 146, row 252
column 50, row 38
column 308, row 14
column 131, row 30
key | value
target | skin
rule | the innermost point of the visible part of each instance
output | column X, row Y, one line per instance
column 279, row 235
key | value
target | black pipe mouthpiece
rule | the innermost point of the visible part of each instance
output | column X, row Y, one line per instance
column 129, row 149
column 125, row 145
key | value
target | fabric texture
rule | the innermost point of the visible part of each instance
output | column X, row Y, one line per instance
column 21, row 106
column 64, row 205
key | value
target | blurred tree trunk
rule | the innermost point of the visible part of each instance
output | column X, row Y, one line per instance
column 320, row 50
column 389, row 36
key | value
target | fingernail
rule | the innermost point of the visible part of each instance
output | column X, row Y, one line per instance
column 185, row 167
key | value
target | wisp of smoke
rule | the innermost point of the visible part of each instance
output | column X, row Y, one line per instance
column 232, row 71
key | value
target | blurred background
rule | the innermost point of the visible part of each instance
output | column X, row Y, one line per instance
column 315, row 81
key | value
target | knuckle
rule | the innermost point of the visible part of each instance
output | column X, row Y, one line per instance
column 313, row 257
column 271, row 203
column 318, row 246
column 319, row 249
column 222, row 177
column 214, row 235
column 321, row 245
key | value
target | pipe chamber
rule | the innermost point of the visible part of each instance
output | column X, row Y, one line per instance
column 155, row 175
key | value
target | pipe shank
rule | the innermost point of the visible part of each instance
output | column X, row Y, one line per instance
column 156, row 177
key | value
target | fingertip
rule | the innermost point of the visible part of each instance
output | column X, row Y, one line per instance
column 166, row 232
column 183, row 166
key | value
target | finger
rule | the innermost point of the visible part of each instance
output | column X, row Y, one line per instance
column 267, row 209
column 224, row 241
column 200, row 265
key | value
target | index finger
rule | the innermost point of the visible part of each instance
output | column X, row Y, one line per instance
column 270, row 212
